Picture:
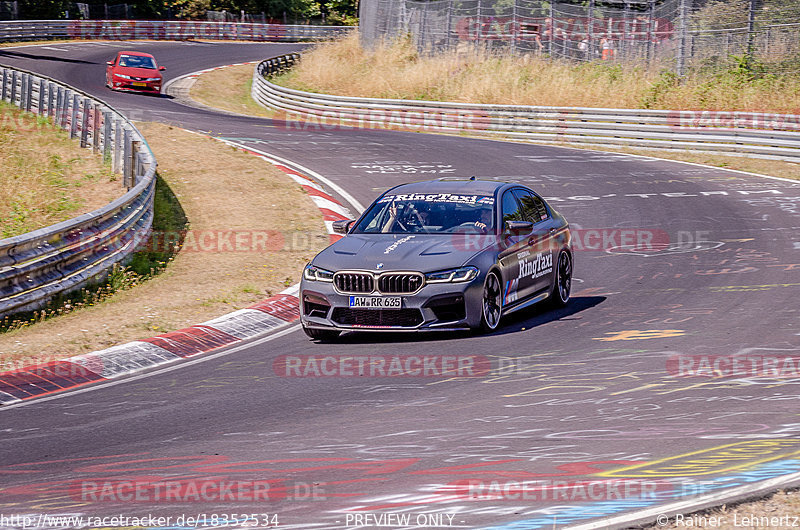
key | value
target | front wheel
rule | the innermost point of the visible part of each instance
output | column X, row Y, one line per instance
column 562, row 283
column 321, row 334
column 492, row 303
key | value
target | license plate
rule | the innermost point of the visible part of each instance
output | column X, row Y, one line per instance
column 376, row 302
column 139, row 83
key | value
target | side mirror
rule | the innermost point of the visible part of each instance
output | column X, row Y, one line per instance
column 518, row 228
column 342, row 226
column 110, row 63
column 162, row 68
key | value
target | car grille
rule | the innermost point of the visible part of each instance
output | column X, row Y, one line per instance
column 387, row 283
column 354, row 282
column 377, row 318
column 403, row 283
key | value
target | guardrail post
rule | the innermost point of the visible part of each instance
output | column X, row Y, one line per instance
column 13, row 99
column 23, row 81
column 65, row 108
column 3, row 91
column 40, row 104
column 29, row 94
column 58, row 112
column 73, row 122
column 51, row 97
column 85, row 122
column 107, row 136
column 117, row 165
column 96, row 128
column 127, row 159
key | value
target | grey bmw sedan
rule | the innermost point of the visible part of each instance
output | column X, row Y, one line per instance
column 448, row 254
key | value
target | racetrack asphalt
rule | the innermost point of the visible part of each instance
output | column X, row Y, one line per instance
column 593, row 392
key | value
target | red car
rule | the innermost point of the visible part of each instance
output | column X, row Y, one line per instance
column 134, row 71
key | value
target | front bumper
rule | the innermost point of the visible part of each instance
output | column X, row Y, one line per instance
column 129, row 86
column 437, row 306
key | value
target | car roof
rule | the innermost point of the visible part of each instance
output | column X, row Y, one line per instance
column 140, row 54
column 464, row 186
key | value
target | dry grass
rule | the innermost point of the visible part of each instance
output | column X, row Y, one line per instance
column 45, row 177
column 397, row 71
column 234, row 82
column 219, row 188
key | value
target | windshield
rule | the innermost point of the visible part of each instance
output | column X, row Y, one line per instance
column 137, row 61
column 429, row 213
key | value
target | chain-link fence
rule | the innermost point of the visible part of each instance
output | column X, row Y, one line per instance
column 670, row 33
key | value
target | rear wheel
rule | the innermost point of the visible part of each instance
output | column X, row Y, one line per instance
column 321, row 334
column 562, row 283
column 492, row 303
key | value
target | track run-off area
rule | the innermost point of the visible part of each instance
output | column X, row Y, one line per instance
column 671, row 380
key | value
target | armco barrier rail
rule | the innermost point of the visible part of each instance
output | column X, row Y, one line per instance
column 22, row 30
column 64, row 256
column 760, row 135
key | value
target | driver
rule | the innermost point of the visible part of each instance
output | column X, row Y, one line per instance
column 484, row 223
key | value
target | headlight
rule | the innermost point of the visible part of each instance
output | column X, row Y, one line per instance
column 464, row 274
column 315, row 274
column 153, row 79
column 123, row 76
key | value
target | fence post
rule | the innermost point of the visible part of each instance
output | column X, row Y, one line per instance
column 107, row 136
column 85, row 122
column 73, row 122
column 591, row 29
column 514, row 27
column 651, row 7
column 552, row 22
column 681, row 65
column 751, row 34
column 450, row 22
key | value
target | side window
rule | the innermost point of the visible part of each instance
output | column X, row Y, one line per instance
column 533, row 208
column 511, row 210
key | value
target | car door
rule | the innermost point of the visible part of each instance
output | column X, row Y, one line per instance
column 540, row 241
column 514, row 253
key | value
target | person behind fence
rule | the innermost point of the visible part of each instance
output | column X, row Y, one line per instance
column 608, row 48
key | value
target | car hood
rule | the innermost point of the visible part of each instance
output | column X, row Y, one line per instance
column 137, row 72
column 386, row 252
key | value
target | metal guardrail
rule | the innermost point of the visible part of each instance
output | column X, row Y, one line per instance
column 760, row 135
column 24, row 30
column 67, row 255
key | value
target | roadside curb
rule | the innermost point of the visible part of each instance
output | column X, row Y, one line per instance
column 261, row 319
